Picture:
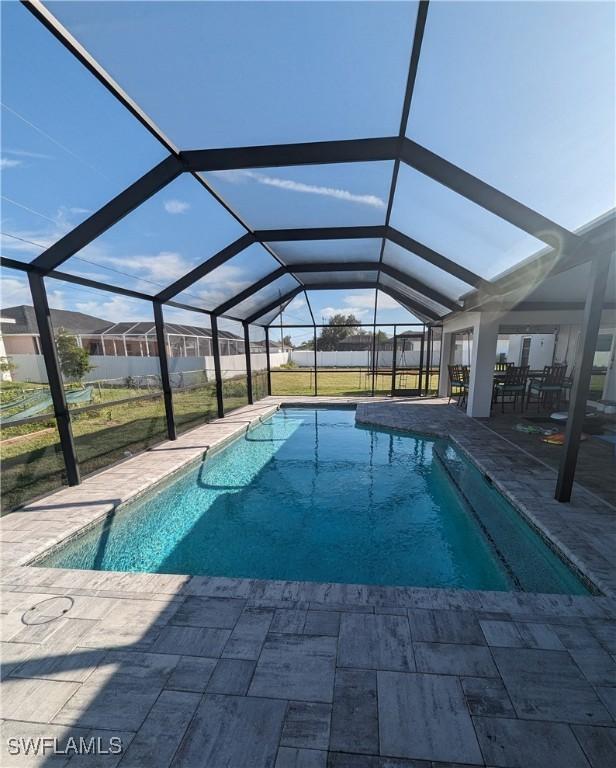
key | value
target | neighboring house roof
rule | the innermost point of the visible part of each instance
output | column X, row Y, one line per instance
column 22, row 319
column 25, row 321
column 356, row 342
column 411, row 334
column 355, row 338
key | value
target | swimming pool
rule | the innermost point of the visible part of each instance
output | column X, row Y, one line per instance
column 309, row 495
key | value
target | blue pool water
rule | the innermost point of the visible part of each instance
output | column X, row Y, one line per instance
column 308, row 495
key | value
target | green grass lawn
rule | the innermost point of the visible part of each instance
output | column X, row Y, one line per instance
column 296, row 381
column 33, row 465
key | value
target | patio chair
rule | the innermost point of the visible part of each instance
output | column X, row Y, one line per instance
column 458, row 378
column 513, row 385
column 455, row 382
column 548, row 387
column 500, row 369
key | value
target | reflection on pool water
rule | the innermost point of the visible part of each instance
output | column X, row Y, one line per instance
column 308, row 495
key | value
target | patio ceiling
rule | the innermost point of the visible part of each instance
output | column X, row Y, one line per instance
column 332, row 180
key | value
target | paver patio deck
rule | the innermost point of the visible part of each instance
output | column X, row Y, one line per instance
column 212, row 671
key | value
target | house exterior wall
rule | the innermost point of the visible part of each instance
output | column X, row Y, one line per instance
column 20, row 344
column 541, row 352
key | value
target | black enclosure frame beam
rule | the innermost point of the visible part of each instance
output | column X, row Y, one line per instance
column 421, row 360
column 418, row 33
column 581, row 377
column 486, row 196
column 48, row 20
column 387, row 148
column 217, row 368
column 316, row 360
column 436, row 259
column 164, row 368
column 320, row 233
column 281, row 155
column 54, row 377
column 221, row 309
column 420, row 287
column 425, row 314
column 267, row 358
column 248, row 362
column 394, row 361
column 115, row 210
column 228, row 252
column 276, row 303
column 417, row 309
column 601, row 240
column 347, row 266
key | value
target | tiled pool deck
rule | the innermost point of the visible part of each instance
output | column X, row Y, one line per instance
column 243, row 673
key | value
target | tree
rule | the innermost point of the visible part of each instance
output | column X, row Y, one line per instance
column 381, row 336
column 308, row 344
column 74, row 360
column 287, row 343
column 6, row 365
column 340, row 326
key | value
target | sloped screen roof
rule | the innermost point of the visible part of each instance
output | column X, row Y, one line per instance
column 234, row 158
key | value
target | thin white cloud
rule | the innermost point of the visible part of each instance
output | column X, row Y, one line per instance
column 27, row 153
column 24, row 241
column 9, row 162
column 299, row 186
column 386, row 302
column 117, row 308
column 56, row 299
column 14, row 292
column 299, row 302
column 164, row 266
column 328, row 312
column 176, row 206
column 366, row 301
column 363, row 300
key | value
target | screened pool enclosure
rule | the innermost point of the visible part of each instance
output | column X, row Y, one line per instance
column 224, row 177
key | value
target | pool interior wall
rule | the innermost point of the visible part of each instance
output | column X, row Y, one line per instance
column 308, row 495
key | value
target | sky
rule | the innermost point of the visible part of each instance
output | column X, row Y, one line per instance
column 520, row 94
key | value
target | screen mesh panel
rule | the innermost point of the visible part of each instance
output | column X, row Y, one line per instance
column 62, row 139
column 256, row 97
column 338, row 194
column 457, row 228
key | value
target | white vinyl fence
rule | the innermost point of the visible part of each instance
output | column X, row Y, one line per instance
column 359, row 359
column 32, row 367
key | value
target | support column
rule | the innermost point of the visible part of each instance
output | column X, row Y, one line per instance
column 483, row 358
column 217, row 370
column 394, row 362
column 609, row 387
column 54, row 377
column 421, row 360
column 374, row 352
column 316, row 362
column 164, row 368
column 581, row 376
column 428, row 362
column 248, row 362
column 443, row 379
column 267, row 357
